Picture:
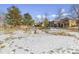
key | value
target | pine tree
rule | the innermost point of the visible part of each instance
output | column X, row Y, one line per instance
column 13, row 16
column 27, row 20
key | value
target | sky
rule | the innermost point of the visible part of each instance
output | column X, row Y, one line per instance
column 37, row 10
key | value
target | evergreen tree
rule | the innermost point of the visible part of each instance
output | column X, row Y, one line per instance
column 27, row 20
column 13, row 16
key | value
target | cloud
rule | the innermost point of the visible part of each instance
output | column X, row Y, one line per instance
column 54, row 15
column 43, row 16
column 65, row 14
column 38, row 16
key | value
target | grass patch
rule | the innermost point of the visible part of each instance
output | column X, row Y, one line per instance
column 60, row 33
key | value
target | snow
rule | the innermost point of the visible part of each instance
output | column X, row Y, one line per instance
column 20, row 42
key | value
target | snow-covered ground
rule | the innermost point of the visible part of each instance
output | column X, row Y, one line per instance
column 40, row 43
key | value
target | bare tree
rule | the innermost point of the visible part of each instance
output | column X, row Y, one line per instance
column 75, row 11
column 60, row 13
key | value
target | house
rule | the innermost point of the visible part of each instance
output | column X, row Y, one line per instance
column 68, row 23
column 72, row 23
column 64, row 23
column 77, row 21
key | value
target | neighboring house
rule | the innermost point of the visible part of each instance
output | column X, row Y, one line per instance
column 77, row 21
column 64, row 23
column 73, row 23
